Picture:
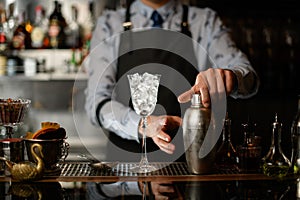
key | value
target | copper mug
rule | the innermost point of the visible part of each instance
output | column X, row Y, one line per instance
column 53, row 150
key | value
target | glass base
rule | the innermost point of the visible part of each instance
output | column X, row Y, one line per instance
column 143, row 168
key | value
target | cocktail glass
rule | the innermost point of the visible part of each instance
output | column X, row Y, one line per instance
column 144, row 90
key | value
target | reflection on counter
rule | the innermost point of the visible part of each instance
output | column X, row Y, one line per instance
column 207, row 190
column 17, row 190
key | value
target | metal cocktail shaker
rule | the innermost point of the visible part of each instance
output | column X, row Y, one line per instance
column 195, row 125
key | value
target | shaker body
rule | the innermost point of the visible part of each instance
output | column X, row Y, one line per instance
column 195, row 125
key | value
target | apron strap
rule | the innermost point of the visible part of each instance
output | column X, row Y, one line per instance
column 185, row 29
column 127, row 25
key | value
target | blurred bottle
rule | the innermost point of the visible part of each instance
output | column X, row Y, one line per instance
column 28, row 25
column 226, row 157
column 21, row 37
column 275, row 163
column 74, row 30
column 87, row 33
column 295, row 130
column 73, row 63
column 57, row 25
column 11, row 21
column 3, row 42
column 40, row 27
column 3, row 31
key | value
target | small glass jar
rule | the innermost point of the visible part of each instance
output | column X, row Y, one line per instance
column 275, row 163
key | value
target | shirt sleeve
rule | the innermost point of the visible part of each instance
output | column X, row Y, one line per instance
column 101, row 69
column 112, row 190
column 224, row 54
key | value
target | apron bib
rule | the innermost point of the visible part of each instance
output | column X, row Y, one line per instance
column 155, row 51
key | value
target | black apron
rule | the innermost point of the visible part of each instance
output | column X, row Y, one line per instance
column 162, row 52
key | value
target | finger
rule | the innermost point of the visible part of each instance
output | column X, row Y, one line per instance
column 164, row 146
column 223, row 75
column 161, row 197
column 163, row 136
column 201, row 87
column 169, row 148
column 205, row 97
column 186, row 96
column 229, row 81
column 165, row 189
column 172, row 123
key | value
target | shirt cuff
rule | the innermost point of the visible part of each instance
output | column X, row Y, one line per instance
column 120, row 119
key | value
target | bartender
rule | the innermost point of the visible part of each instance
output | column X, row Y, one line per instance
column 115, row 53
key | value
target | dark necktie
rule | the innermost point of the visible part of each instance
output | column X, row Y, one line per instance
column 157, row 19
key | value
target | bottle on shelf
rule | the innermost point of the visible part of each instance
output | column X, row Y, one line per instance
column 226, row 156
column 275, row 163
column 3, row 31
column 21, row 37
column 74, row 30
column 73, row 63
column 295, row 136
column 3, row 42
column 40, row 27
column 56, row 29
column 12, row 21
column 28, row 25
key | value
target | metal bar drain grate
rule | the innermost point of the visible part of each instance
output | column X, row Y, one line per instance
column 70, row 169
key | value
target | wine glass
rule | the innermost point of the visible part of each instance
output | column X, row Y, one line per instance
column 12, row 113
column 143, row 90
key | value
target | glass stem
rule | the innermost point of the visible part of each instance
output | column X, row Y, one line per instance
column 144, row 160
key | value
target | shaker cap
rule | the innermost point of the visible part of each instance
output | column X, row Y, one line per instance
column 196, row 100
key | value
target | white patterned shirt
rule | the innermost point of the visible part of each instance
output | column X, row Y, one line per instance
column 206, row 28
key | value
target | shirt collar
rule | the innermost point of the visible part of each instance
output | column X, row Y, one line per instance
column 165, row 11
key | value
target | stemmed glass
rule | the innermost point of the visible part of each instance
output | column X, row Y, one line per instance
column 143, row 90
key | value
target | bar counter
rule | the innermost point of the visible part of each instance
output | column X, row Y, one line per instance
column 79, row 180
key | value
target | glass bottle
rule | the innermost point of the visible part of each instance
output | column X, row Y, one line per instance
column 40, row 28
column 11, row 21
column 3, row 30
column 226, row 157
column 73, row 62
column 275, row 163
column 57, row 25
column 21, row 37
column 74, row 30
column 295, row 130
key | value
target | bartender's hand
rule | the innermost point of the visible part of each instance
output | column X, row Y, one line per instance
column 156, row 129
column 160, row 190
column 204, row 80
